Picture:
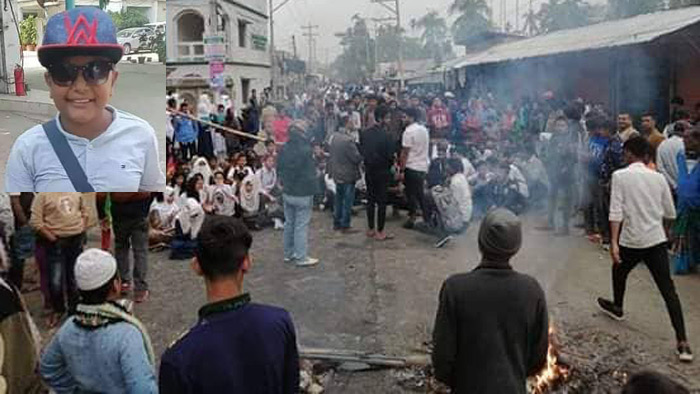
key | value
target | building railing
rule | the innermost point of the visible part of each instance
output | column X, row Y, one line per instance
column 190, row 50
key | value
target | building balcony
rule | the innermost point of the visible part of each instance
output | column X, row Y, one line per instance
column 190, row 51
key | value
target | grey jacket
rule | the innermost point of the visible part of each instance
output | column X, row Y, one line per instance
column 345, row 159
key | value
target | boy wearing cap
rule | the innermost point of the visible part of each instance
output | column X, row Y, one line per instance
column 89, row 145
column 237, row 346
column 102, row 348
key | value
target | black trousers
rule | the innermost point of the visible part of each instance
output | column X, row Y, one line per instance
column 61, row 256
column 377, row 183
column 415, row 181
column 656, row 259
column 189, row 150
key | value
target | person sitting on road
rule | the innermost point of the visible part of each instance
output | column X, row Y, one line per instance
column 236, row 346
column 491, row 322
column 103, row 347
column 90, row 145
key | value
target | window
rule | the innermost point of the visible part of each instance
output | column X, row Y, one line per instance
column 242, row 33
column 245, row 89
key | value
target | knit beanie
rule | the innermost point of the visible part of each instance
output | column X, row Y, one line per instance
column 500, row 235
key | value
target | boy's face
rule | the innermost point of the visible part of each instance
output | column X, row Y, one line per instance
column 81, row 102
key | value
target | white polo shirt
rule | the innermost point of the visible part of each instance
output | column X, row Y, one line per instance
column 125, row 158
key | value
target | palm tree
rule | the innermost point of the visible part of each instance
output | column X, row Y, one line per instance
column 563, row 14
column 473, row 18
column 434, row 34
column 628, row 8
column 531, row 25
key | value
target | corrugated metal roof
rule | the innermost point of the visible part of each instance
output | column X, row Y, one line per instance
column 636, row 30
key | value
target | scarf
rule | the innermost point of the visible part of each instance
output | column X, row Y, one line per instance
column 250, row 200
column 201, row 166
column 191, row 218
column 95, row 316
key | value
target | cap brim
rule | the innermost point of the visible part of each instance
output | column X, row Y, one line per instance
column 49, row 54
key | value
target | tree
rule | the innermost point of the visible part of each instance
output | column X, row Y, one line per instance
column 357, row 60
column 473, row 18
column 434, row 35
column 628, row 8
column 532, row 23
column 673, row 4
column 563, row 14
column 129, row 18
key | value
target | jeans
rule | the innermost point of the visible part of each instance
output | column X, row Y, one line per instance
column 656, row 259
column 132, row 233
column 377, row 182
column 297, row 215
column 555, row 191
column 61, row 256
column 415, row 180
column 344, row 198
column 22, row 246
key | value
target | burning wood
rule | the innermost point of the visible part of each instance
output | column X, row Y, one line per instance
column 554, row 373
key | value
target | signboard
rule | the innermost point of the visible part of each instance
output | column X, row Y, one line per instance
column 216, row 74
column 214, row 47
column 259, row 42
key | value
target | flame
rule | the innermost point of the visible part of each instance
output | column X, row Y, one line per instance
column 553, row 373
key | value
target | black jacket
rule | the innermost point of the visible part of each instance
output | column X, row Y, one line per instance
column 296, row 168
column 491, row 331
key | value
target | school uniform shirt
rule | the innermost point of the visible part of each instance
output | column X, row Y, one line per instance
column 640, row 199
column 124, row 158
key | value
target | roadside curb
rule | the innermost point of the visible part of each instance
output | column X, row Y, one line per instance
column 36, row 103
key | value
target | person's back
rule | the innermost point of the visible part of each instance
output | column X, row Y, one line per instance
column 250, row 344
column 491, row 328
column 99, row 359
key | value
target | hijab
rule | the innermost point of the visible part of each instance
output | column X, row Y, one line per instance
column 250, row 200
column 191, row 218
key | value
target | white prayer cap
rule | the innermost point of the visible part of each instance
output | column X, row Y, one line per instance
column 94, row 268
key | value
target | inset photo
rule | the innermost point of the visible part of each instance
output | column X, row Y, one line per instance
column 78, row 89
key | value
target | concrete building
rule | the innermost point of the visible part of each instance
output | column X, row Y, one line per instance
column 244, row 26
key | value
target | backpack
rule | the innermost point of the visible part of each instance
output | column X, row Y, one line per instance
column 448, row 207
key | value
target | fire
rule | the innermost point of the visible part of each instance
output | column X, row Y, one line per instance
column 553, row 373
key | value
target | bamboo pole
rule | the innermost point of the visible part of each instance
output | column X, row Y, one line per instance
column 218, row 126
column 367, row 358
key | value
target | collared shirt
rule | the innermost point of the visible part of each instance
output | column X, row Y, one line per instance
column 666, row 156
column 627, row 134
column 124, row 158
column 640, row 199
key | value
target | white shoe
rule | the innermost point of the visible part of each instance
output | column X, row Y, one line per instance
column 307, row 263
column 279, row 225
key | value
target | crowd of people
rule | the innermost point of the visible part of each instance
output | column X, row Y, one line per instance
column 446, row 161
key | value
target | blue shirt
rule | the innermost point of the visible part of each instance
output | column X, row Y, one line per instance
column 109, row 359
column 124, row 158
column 597, row 146
column 185, row 130
column 236, row 347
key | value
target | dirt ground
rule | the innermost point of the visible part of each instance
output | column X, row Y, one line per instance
column 382, row 297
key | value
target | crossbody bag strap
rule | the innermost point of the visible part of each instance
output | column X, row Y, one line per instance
column 67, row 157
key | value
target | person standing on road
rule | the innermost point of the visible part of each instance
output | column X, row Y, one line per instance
column 377, row 148
column 103, row 347
column 236, row 346
column 22, row 242
column 89, row 146
column 296, row 169
column 687, row 227
column 640, row 205
column 130, row 221
column 491, row 328
column 667, row 155
column 625, row 128
column 60, row 219
column 414, row 164
column 344, row 167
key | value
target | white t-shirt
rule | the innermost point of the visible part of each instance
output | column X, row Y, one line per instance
column 124, row 158
column 463, row 194
column 417, row 139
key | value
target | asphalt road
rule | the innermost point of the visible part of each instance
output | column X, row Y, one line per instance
column 382, row 297
column 140, row 90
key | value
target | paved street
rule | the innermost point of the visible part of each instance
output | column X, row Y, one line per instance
column 140, row 90
column 381, row 297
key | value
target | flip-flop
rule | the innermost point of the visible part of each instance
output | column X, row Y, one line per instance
column 386, row 237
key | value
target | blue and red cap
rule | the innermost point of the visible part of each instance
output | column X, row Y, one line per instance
column 82, row 31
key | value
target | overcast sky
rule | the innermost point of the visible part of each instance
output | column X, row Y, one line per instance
column 333, row 16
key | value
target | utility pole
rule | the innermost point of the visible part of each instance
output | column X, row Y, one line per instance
column 294, row 46
column 310, row 34
column 396, row 10
column 273, row 69
column 517, row 15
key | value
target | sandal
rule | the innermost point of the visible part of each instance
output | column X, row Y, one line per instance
column 386, row 237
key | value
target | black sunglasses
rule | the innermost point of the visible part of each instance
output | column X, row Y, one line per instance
column 94, row 73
